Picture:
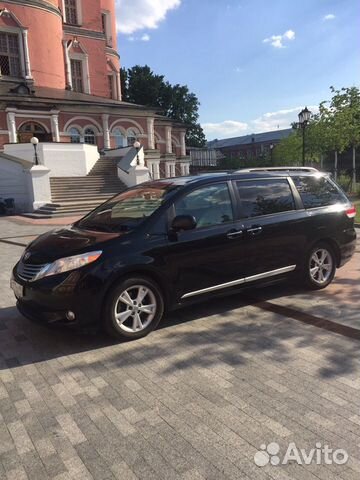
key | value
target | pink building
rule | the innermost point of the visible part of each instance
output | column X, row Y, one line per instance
column 60, row 81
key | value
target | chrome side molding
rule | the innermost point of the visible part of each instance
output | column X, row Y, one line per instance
column 240, row 281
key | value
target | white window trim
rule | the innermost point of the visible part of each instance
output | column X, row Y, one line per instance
column 78, row 13
column 108, row 30
column 91, row 123
column 84, row 58
column 114, row 85
column 19, row 32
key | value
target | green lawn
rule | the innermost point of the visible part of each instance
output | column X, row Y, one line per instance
column 357, row 205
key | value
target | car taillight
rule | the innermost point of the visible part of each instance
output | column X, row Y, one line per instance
column 351, row 212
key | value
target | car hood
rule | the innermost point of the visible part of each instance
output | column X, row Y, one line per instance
column 65, row 242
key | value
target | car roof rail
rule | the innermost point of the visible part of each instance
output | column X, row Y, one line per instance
column 277, row 169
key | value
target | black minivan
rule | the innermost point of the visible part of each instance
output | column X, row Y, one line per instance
column 168, row 242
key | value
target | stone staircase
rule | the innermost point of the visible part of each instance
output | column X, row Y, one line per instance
column 72, row 196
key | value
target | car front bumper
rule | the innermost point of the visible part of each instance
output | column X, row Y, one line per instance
column 71, row 299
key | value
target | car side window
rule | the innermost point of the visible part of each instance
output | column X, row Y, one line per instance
column 318, row 192
column 264, row 197
column 210, row 205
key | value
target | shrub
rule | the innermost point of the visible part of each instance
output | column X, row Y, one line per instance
column 344, row 180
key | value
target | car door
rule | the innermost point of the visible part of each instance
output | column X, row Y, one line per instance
column 210, row 255
column 273, row 224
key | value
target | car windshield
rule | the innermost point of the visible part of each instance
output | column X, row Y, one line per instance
column 129, row 208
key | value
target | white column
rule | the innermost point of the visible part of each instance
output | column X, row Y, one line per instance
column 105, row 121
column 151, row 133
column 118, row 84
column 67, row 64
column 182, row 144
column 167, row 170
column 12, row 127
column 39, row 186
column 168, row 130
column 172, row 169
column 87, row 74
column 26, row 54
column 55, row 127
column 185, row 169
column 156, row 168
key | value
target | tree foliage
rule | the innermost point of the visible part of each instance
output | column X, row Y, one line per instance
column 335, row 128
column 142, row 86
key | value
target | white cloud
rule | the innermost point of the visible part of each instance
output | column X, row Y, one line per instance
column 144, row 38
column 134, row 15
column 289, row 34
column 277, row 41
column 229, row 128
column 265, row 123
column 329, row 16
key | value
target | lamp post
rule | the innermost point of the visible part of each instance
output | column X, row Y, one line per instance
column 35, row 141
column 271, row 153
column 137, row 145
column 304, row 118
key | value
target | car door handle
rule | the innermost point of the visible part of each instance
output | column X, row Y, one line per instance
column 234, row 233
column 254, row 230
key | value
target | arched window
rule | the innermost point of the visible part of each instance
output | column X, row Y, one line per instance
column 33, row 129
column 89, row 136
column 74, row 135
column 120, row 140
column 131, row 137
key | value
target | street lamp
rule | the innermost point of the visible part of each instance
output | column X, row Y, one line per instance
column 271, row 153
column 304, row 118
column 137, row 145
column 34, row 141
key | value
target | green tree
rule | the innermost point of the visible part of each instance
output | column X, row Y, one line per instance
column 144, row 87
column 124, row 84
column 289, row 150
column 334, row 129
column 344, row 110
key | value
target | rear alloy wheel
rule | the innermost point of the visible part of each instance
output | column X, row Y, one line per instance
column 321, row 267
column 134, row 308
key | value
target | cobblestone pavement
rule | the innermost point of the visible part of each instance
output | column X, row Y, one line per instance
column 194, row 400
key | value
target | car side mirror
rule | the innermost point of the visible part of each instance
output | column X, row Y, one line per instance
column 183, row 222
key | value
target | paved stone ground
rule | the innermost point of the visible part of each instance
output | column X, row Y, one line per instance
column 194, row 400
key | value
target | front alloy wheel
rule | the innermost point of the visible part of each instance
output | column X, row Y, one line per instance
column 321, row 267
column 134, row 308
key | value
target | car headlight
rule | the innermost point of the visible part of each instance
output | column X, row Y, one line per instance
column 68, row 263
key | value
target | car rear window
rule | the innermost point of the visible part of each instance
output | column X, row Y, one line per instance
column 264, row 197
column 318, row 191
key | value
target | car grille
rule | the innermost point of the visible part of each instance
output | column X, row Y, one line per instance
column 28, row 271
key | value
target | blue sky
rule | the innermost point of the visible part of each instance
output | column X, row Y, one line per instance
column 252, row 63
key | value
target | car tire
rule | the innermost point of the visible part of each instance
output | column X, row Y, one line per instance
column 134, row 308
column 320, row 266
